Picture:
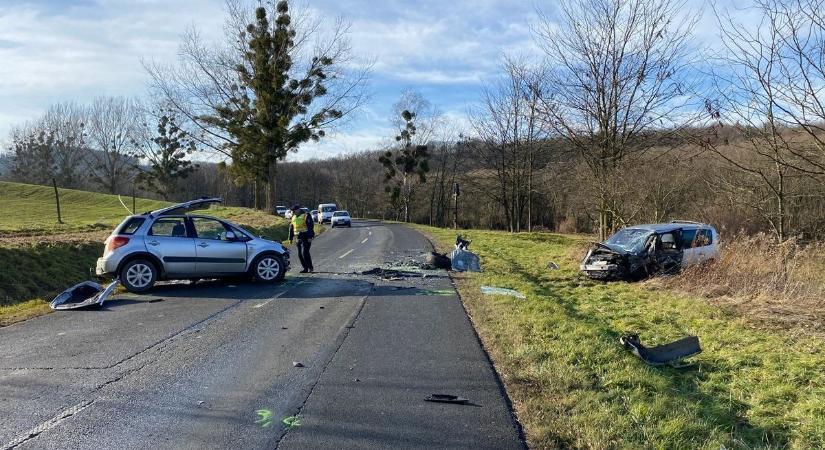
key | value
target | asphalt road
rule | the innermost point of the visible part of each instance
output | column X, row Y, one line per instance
column 212, row 365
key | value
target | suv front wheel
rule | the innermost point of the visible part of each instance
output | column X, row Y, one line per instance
column 138, row 275
column 269, row 268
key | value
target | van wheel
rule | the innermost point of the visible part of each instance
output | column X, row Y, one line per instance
column 269, row 268
column 138, row 275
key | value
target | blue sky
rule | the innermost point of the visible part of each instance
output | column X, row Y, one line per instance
column 59, row 50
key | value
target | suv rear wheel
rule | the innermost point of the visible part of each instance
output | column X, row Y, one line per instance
column 138, row 275
column 269, row 268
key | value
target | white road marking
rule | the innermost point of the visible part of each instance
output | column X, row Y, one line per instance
column 273, row 298
column 48, row 425
column 370, row 232
column 345, row 254
column 365, row 240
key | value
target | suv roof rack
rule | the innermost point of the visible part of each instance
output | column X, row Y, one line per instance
column 687, row 221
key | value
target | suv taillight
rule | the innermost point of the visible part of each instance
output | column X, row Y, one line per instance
column 116, row 242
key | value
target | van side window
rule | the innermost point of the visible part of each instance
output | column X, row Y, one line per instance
column 704, row 237
column 688, row 237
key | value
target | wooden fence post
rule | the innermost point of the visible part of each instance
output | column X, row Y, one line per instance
column 57, row 201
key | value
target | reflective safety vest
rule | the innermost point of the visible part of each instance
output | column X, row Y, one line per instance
column 299, row 223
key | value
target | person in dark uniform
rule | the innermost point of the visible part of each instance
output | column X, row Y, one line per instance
column 303, row 229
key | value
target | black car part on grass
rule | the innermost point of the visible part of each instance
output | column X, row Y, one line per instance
column 662, row 354
column 81, row 295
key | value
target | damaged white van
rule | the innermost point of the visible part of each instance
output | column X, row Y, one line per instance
column 170, row 243
column 640, row 251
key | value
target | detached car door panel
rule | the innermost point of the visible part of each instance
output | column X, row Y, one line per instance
column 216, row 254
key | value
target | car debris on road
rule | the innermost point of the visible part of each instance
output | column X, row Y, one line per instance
column 660, row 355
column 492, row 290
column 81, row 295
column 462, row 259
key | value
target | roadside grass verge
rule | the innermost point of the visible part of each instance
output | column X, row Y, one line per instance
column 22, row 311
column 573, row 386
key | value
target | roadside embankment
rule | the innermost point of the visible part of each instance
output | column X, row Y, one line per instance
column 574, row 386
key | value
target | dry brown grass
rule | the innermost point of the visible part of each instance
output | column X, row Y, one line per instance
column 773, row 285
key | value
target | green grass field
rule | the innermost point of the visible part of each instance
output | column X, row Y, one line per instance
column 30, row 209
column 574, row 386
column 36, row 268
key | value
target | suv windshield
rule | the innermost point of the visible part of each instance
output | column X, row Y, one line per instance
column 328, row 209
column 629, row 239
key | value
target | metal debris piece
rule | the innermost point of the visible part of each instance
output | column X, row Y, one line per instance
column 492, row 290
column 392, row 274
column 447, row 398
column 81, row 295
column 662, row 354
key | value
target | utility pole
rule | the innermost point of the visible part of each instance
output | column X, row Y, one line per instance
column 134, row 202
column 57, row 201
column 455, row 205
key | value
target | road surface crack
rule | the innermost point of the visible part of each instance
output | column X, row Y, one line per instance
column 350, row 324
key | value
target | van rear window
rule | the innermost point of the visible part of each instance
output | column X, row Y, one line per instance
column 130, row 225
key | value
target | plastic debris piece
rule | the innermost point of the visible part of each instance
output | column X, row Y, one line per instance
column 552, row 266
column 446, row 398
column 662, row 354
column 492, row 290
column 297, row 364
column 465, row 261
column 83, row 294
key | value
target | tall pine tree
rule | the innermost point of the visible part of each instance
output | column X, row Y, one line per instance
column 268, row 112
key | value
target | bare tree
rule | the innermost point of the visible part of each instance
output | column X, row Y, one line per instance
column 510, row 136
column 112, row 126
column 52, row 146
column 618, row 72
column 770, row 92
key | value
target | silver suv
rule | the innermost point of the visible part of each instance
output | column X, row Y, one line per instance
column 642, row 250
column 171, row 244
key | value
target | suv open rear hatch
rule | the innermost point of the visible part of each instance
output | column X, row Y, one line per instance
column 183, row 208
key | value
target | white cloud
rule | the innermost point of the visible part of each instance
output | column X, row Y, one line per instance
column 87, row 50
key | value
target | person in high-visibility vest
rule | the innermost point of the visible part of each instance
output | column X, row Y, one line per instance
column 303, row 229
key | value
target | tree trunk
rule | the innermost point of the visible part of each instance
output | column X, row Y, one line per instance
column 272, row 187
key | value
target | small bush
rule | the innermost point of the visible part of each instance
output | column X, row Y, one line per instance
column 780, row 284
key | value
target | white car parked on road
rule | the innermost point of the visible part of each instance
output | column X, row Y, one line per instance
column 341, row 219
